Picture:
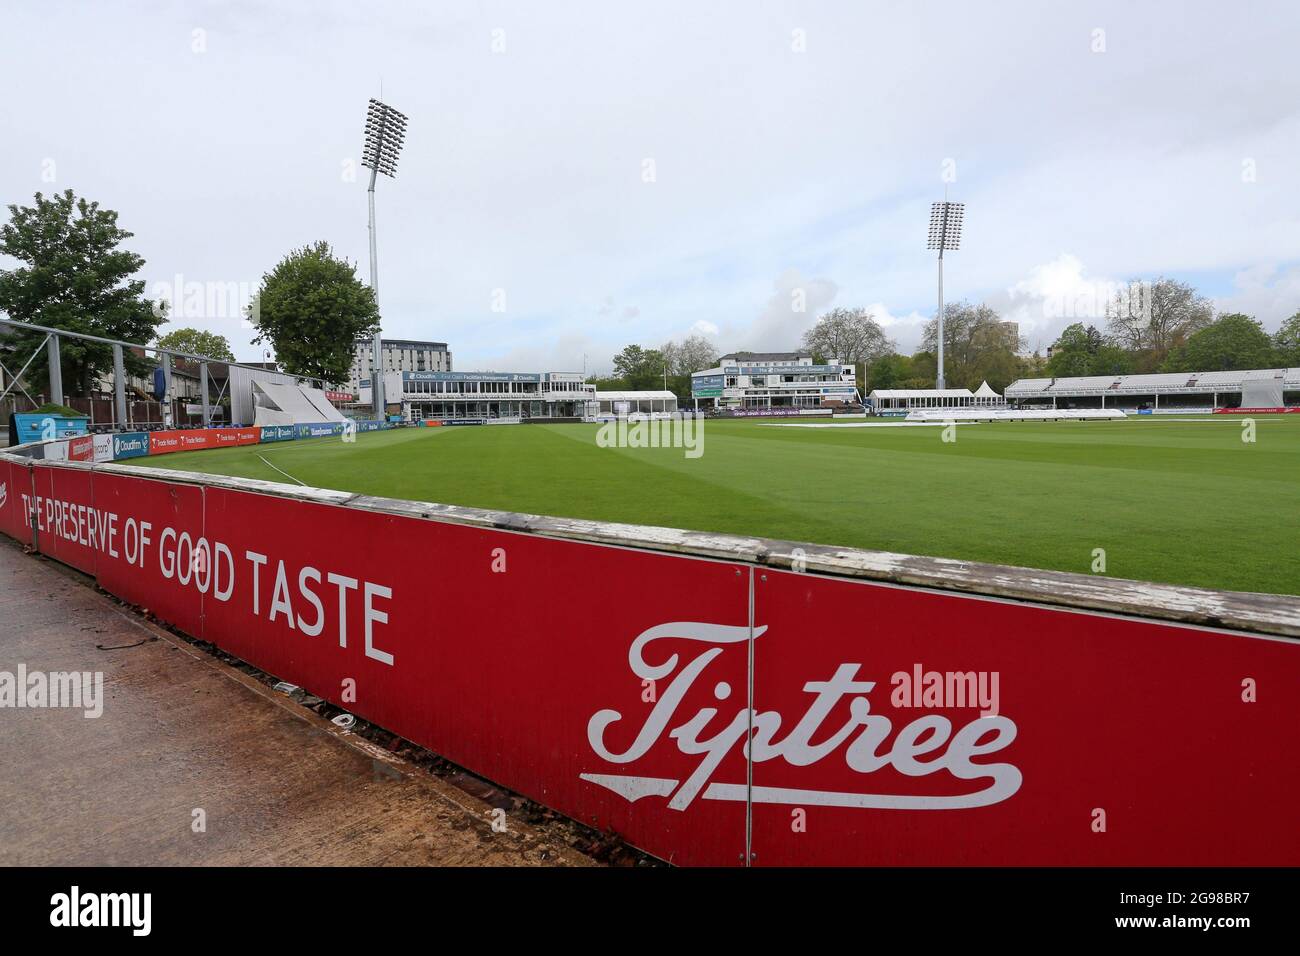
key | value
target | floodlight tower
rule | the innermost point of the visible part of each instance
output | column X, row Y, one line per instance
column 945, row 234
column 385, row 128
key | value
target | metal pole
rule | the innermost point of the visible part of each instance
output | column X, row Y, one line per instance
column 119, row 387
column 940, row 380
column 167, row 391
column 56, row 370
column 377, row 367
column 203, row 388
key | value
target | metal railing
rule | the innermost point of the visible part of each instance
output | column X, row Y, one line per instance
column 122, row 417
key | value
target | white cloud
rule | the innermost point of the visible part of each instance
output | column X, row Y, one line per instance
column 1264, row 291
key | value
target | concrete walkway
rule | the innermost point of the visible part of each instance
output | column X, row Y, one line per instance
column 181, row 732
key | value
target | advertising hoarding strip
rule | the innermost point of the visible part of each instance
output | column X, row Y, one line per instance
column 894, row 723
column 114, row 446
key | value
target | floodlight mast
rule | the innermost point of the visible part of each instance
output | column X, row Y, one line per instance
column 385, row 129
column 945, row 233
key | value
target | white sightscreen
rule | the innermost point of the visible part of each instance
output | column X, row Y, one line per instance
column 241, row 391
column 279, row 404
column 1261, row 393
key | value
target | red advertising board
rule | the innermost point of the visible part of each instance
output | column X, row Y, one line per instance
column 66, row 525
column 15, row 492
column 1257, row 411
column 962, row 731
column 183, row 439
column 195, row 439
column 165, row 442
column 81, row 448
column 494, row 665
column 237, row 436
column 152, row 552
column 891, row 725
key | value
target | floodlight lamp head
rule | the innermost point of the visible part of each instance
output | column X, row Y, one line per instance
column 945, row 225
column 385, row 130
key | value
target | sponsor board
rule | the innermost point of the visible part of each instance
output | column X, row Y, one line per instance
column 196, row 439
column 774, row 368
column 104, row 447
column 130, row 445
column 278, row 433
column 791, row 412
column 707, row 386
column 469, row 377
column 81, row 448
column 237, row 436
column 1290, row 410
column 15, row 481
column 185, row 439
column 318, row 430
column 889, row 724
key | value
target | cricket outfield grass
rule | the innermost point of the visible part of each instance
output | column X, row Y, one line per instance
column 1183, row 501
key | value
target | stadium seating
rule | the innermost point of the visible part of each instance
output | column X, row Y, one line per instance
column 1163, row 383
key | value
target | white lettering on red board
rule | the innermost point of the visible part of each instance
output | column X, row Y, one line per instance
column 210, row 567
column 862, row 737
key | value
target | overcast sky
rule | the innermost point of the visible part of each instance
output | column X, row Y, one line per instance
column 581, row 176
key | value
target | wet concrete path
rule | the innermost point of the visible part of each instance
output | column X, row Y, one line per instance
column 184, row 739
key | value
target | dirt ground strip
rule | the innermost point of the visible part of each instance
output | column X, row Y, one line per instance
column 182, row 731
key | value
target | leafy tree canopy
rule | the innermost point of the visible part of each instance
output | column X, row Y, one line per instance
column 73, row 275
column 1085, row 351
column 848, row 335
column 978, row 346
column 312, row 308
column 197, row 342
column 1286, row 342
column 1158, row 318
column 1232, row 341
column 642, row 369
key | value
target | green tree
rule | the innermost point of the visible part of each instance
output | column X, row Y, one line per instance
column 1286, row 342
column 848, row 335
column 197, row 342
column 925, row 369
column 1072, row 353
column 1151, row 321
column 978, row 345
column 642, row 369
column 1233, row 341
column 1111, row 359
column 313, row 309
column 693, row 354
column 887, row 372
column 1084, row 351
column 74, row 276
